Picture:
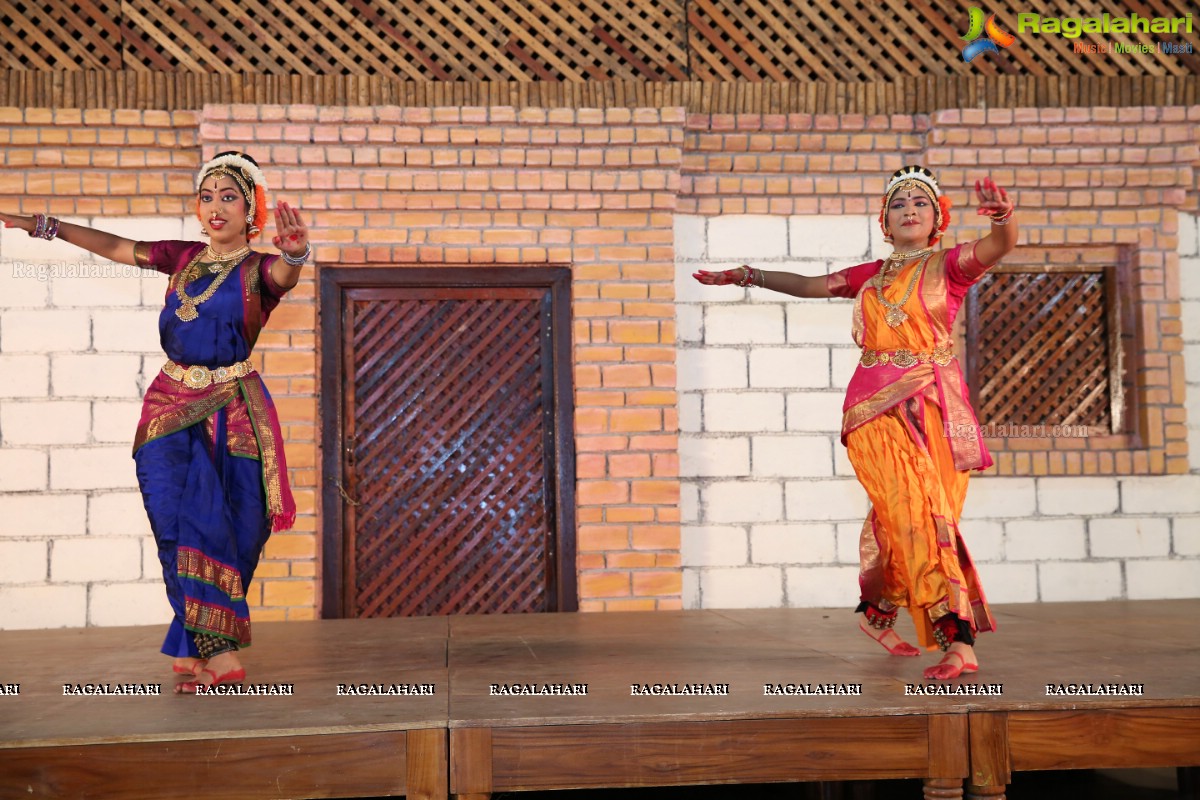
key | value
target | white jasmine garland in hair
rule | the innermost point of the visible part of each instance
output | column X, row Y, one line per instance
column 245, row 166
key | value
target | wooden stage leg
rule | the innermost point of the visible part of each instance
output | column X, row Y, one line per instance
column 471, row 763
column 428, row 773
column 985, row 792
column 991, row 763
column 943, row 789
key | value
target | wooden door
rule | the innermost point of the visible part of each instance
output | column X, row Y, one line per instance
column 448, row 455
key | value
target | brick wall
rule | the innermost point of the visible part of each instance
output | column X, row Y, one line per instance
column 634, row 201
column 771, row 509
column 593, row 189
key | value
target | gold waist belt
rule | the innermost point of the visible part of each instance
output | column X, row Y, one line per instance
column 907, row 358
column 201, row 377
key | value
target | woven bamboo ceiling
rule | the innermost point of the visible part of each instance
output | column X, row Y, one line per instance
column 575, row 41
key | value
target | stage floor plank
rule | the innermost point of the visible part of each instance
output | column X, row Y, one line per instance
column 468, row 739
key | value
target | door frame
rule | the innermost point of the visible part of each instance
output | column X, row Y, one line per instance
column 560, row 434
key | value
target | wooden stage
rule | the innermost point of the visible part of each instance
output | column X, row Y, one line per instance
column 458, row 736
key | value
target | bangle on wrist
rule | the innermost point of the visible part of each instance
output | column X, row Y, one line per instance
column 298, row 261
column 1002, row 219
column 44, row 227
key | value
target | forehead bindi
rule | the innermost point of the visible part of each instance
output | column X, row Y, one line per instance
column 909, row 196
column 219, row 183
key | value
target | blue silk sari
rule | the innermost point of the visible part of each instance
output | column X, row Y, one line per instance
column 209, row 459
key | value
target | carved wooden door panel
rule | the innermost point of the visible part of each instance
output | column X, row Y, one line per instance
column 454, row 446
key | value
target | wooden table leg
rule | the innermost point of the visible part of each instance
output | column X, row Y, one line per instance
column 428, row 760
column 471, row 763
column 943, row 789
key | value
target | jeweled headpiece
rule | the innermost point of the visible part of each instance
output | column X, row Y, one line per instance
column 919, row 178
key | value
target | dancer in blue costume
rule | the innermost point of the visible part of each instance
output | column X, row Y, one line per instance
column 209, row 449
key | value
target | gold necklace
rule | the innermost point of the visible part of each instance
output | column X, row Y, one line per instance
column 213, row 257
column 187, row 304
column 896, row 315
column 896, row 260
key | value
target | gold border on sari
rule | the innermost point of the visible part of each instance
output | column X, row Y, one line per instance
column 178, row 416
column 204, row 618
column 905, row 386
column 193, row 564
column 268, row 448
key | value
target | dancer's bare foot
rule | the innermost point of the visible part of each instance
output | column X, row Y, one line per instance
column 959, row 659
column 188, row 665
column 890, row 640
column 221, row 668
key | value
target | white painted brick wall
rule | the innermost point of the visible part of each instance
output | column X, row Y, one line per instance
column 796, row 504
column 808, row 543
column 822, row 586
column 1009, row 583
column 1061, row 496
column 709, row 456
column 716, row 546
column 743, row 412
column 1162, row 578
column 45, row 330
column 1045, row 540
column 789, row 367
column 741, row 587
column 23, row 470
column 58, row 514
column 96, row 376
column 24, row 607
column 1129, row 537
column 44, row 422
column 115, row 421
column 94, row 558
column 1095, row 580
column 791, row 456
column 24, row 376
column 744, row 324
column 22, row 562
column 143, row 603
column 78, row 341
column 742, row 501
column 92, row 468
column 1185, row 538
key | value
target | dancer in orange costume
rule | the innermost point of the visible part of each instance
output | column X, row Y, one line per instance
column 907, row 423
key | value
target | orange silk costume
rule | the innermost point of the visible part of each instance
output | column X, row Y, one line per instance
column 912, row 438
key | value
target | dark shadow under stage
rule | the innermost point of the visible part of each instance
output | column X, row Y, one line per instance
column 476, row 705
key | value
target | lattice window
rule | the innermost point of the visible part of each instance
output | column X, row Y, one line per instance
column 61, row 35
column 1046, row 349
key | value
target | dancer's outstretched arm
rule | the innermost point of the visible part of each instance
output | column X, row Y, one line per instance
column 105, row 245
column 785, row 282
column 994, row 202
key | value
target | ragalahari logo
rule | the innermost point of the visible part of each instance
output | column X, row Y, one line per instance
column 996, row 38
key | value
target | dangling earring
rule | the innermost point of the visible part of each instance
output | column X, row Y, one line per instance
column 887, row 237
column 253, row 229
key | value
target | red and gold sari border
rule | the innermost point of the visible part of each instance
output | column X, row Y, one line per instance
column 280, row 504
column 216, row 621
column 194, row 565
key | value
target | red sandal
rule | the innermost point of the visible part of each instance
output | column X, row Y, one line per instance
column 233, row 676
column 965, row 667
column 901, row 648
column 193, row 669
